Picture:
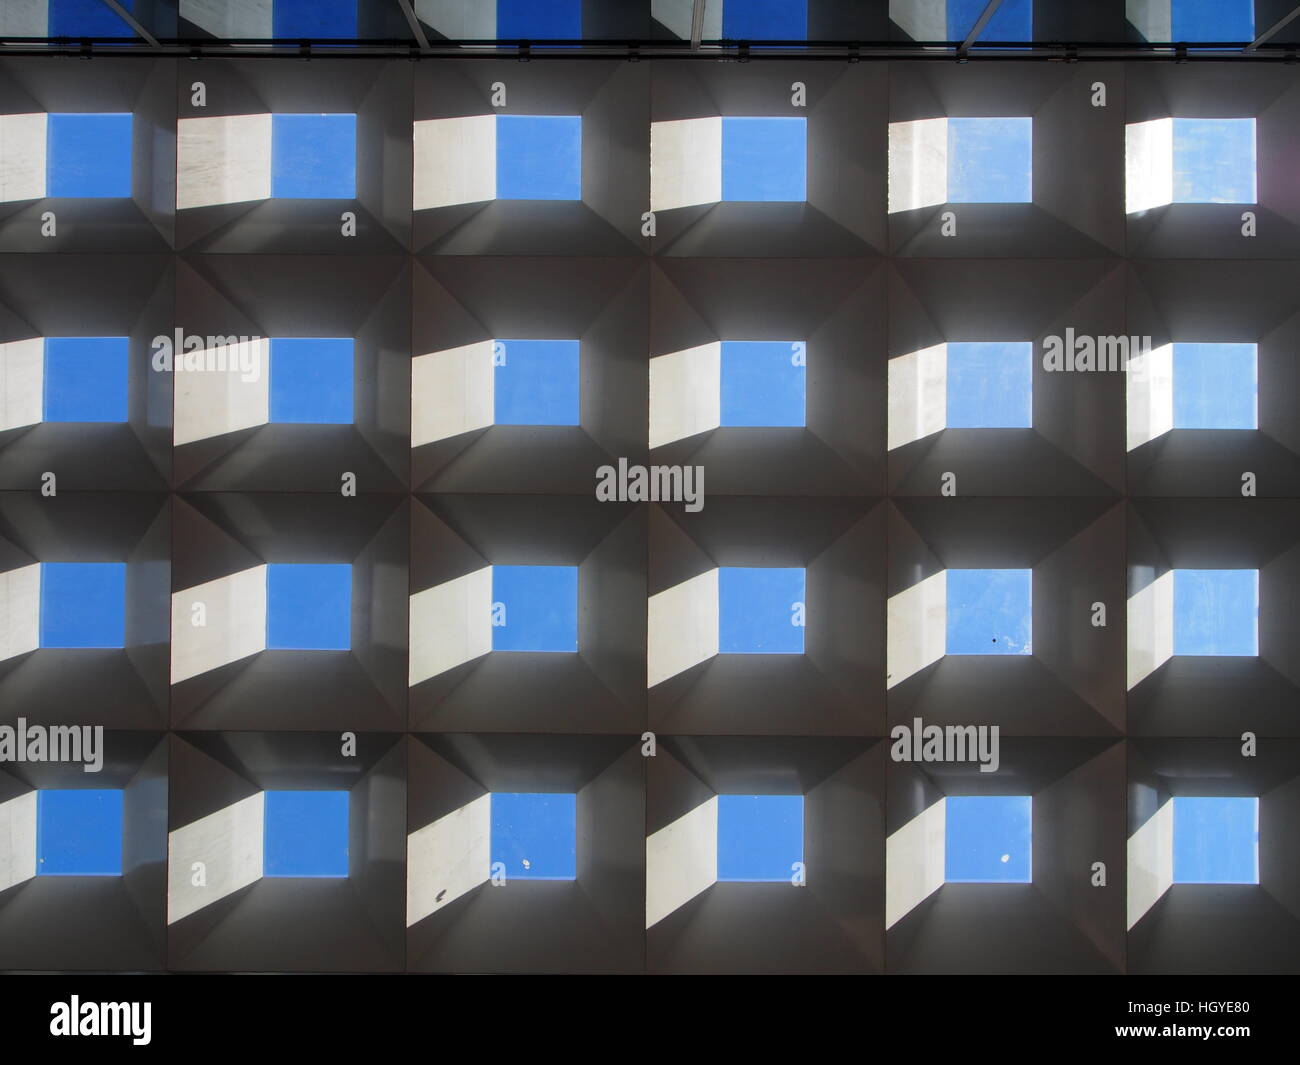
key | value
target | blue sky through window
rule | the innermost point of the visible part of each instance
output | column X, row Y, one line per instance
column 758, row 608
column 536, row 382
column 1216, row 840
column 87, row 18
column 305, row 833
column 990, row 385
column 1215, row 386
column 539, row 157
column 79, row 832
column 311, row 380
column 1214, row 160
column 315, row 18
column 1213, row 20
column 86, row 379
column 314, row 157
column 760, row 837
column 990, row 160
column 88, row 155
column 539, row 20
column 765, row 159
column 1013, row 20
column 309, row 606
column 772, row 20
column 762, row 384
column 1216, row 612
column 535, row 835
column 989, row 611
column 83, row 604
column 988, row 839
column 535, row 608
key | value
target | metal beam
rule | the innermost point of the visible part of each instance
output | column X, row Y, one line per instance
column 978, row 28
column 131, row 21
column 1278, row 25
column 697, row 23
column 412, row 20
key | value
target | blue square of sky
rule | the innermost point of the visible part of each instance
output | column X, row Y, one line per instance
column 87, row 18
column 765, row 159
column 309, row 606
column 539, row 157
column 79, row 832
column 83, row 604
column 1216, row 612
column 760, row 837
column 988, row 839
column 86, row 379
column 539, row 20
column 315, row 19
column 763, row 383
column 989, row 611
column 758, row 608
column 535, row 835
column 1215, row 386
column 88, row 155
column 990, row 385
column 1213, row 20
column 1216, row 840
column 305, row 833
column 1013, row 20
column 770, row 20
column 535, row 608
column 314, row 157
column 311, row 380
column 1214, row 160
column 536, row 382
column 990, row 160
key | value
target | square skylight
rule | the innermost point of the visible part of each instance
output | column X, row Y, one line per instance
column 1013, row 20
column 535, row 835
column 86, row 379
column 86, row 18
column 1214, row 160
column 990, row 385
column 1215, row 386
column 771, row 20
column 1212, row 20
column 539, row 157
column 536, row 382
column 79, row 832
column 309, row 606
column 760, row 837
column 1216, row 612
column 311, row 380
column 989, row 611
column 1216, row 840
column 765, row 159
column 988, row 839
column 760, row 610
column 763, row 383
column 305, row 833
column 314, row 157
column 83, row 604
column 539, row 20
column 315, row 19
column 88, row 155
column 534, row 608
column 990, row 160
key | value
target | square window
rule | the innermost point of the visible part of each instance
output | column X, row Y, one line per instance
column 83, row 604
column 305, row 833
column 535, row 836
column 988, row 839
column 1215, row 386
column 760, row 610
column 1214, row 160
column 1013, row 20
column 1216, row 612
column 79, row 832
column 534, row 608
column 309, row 606
column 990, row 385
column 765, row 159
column 771, row 20
column 88, row 155
column 86, row 18
column 990, row 160
column 1219, row 21
column 1216, row 840
column 760, row 837
column 989, row 611
column 539, row 157
column 311, row 380
column 763, row 382
column 86, row 379
column 539, row 20
column 536, row 382
column 315, row 19
column 314, row 157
